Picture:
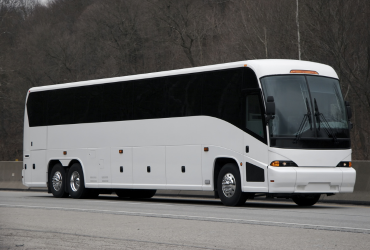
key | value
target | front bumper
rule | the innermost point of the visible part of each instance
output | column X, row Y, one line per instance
column 311, row 180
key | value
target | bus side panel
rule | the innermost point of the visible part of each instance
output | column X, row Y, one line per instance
column 103, row 161
column 121, row 167
column 149, row 167
column 183, row 167
column 38, row 168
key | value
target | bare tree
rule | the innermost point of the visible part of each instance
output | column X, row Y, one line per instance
column 337, row 33
column 188, row 24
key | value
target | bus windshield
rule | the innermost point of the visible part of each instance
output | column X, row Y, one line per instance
column 307, row 108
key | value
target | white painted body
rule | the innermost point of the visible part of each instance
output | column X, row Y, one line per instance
column 168, row 144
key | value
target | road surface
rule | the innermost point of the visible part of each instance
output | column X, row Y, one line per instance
column 36, row 220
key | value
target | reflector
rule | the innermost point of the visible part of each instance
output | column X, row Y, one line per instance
column 304, row 72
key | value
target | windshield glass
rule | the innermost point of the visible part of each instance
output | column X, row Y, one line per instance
column 330, row 103
column 290, row 94
column 295, row 116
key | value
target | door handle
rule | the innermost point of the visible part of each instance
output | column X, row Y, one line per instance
column 247, row 149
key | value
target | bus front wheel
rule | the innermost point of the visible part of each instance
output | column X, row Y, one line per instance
column 229, row 186
column 306, row 199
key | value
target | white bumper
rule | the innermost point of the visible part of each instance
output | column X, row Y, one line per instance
column 311, row 180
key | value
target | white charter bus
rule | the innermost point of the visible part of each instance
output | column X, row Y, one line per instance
column 262, row 127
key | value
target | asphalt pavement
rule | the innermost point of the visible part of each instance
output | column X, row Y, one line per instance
column 36, row 220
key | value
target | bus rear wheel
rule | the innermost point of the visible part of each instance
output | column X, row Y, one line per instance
column 57, row 181
column 306, row 199
column 76, row 182
column 229, row 186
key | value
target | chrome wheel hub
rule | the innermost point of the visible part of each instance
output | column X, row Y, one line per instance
column 57, row 181
column 75, row 181
column 228, row 185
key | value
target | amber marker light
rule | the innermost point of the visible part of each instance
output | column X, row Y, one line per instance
column 296, row 71
column 206, row 149
column 350, row 164
column 241, row 164
column 275, row 164
column 120, row 151
column 245, row 65
column 64, row 152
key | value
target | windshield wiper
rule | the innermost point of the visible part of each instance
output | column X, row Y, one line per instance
column 319, row 116
column 306, row 117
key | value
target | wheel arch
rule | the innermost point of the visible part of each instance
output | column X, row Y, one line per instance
column 52, row 162
column 218, row 164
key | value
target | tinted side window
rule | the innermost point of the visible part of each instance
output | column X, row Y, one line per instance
column 221, row 96
column 60, row 106
column 184, row 95
column 36, row 109
column 150, row 99
column 88, row 103
column 117, row 101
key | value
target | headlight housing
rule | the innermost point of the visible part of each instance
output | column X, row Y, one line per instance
column 283, row 164
column 345, row 164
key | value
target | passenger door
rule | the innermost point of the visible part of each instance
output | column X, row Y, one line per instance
column 255, row 142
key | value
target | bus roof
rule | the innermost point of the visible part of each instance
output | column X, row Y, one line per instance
column 263, row 67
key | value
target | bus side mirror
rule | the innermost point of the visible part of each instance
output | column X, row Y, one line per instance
column 270, row 108
column 349, row 111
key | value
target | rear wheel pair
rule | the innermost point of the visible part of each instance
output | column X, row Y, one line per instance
column 73, row 182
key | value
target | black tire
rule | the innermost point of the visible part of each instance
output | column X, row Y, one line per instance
column 306, row 199
column 123, row 193
column 142, row 193
column 76, row 182
column 57, row 181
column 231, row 195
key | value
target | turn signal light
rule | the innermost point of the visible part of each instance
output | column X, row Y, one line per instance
column 283, row 164
column 304, row 72
column 275, row 163
column 344, row 164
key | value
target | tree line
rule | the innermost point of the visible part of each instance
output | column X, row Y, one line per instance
column 74, row 40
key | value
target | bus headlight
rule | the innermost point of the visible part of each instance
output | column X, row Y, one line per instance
column 283, row 164
column 344, row 164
